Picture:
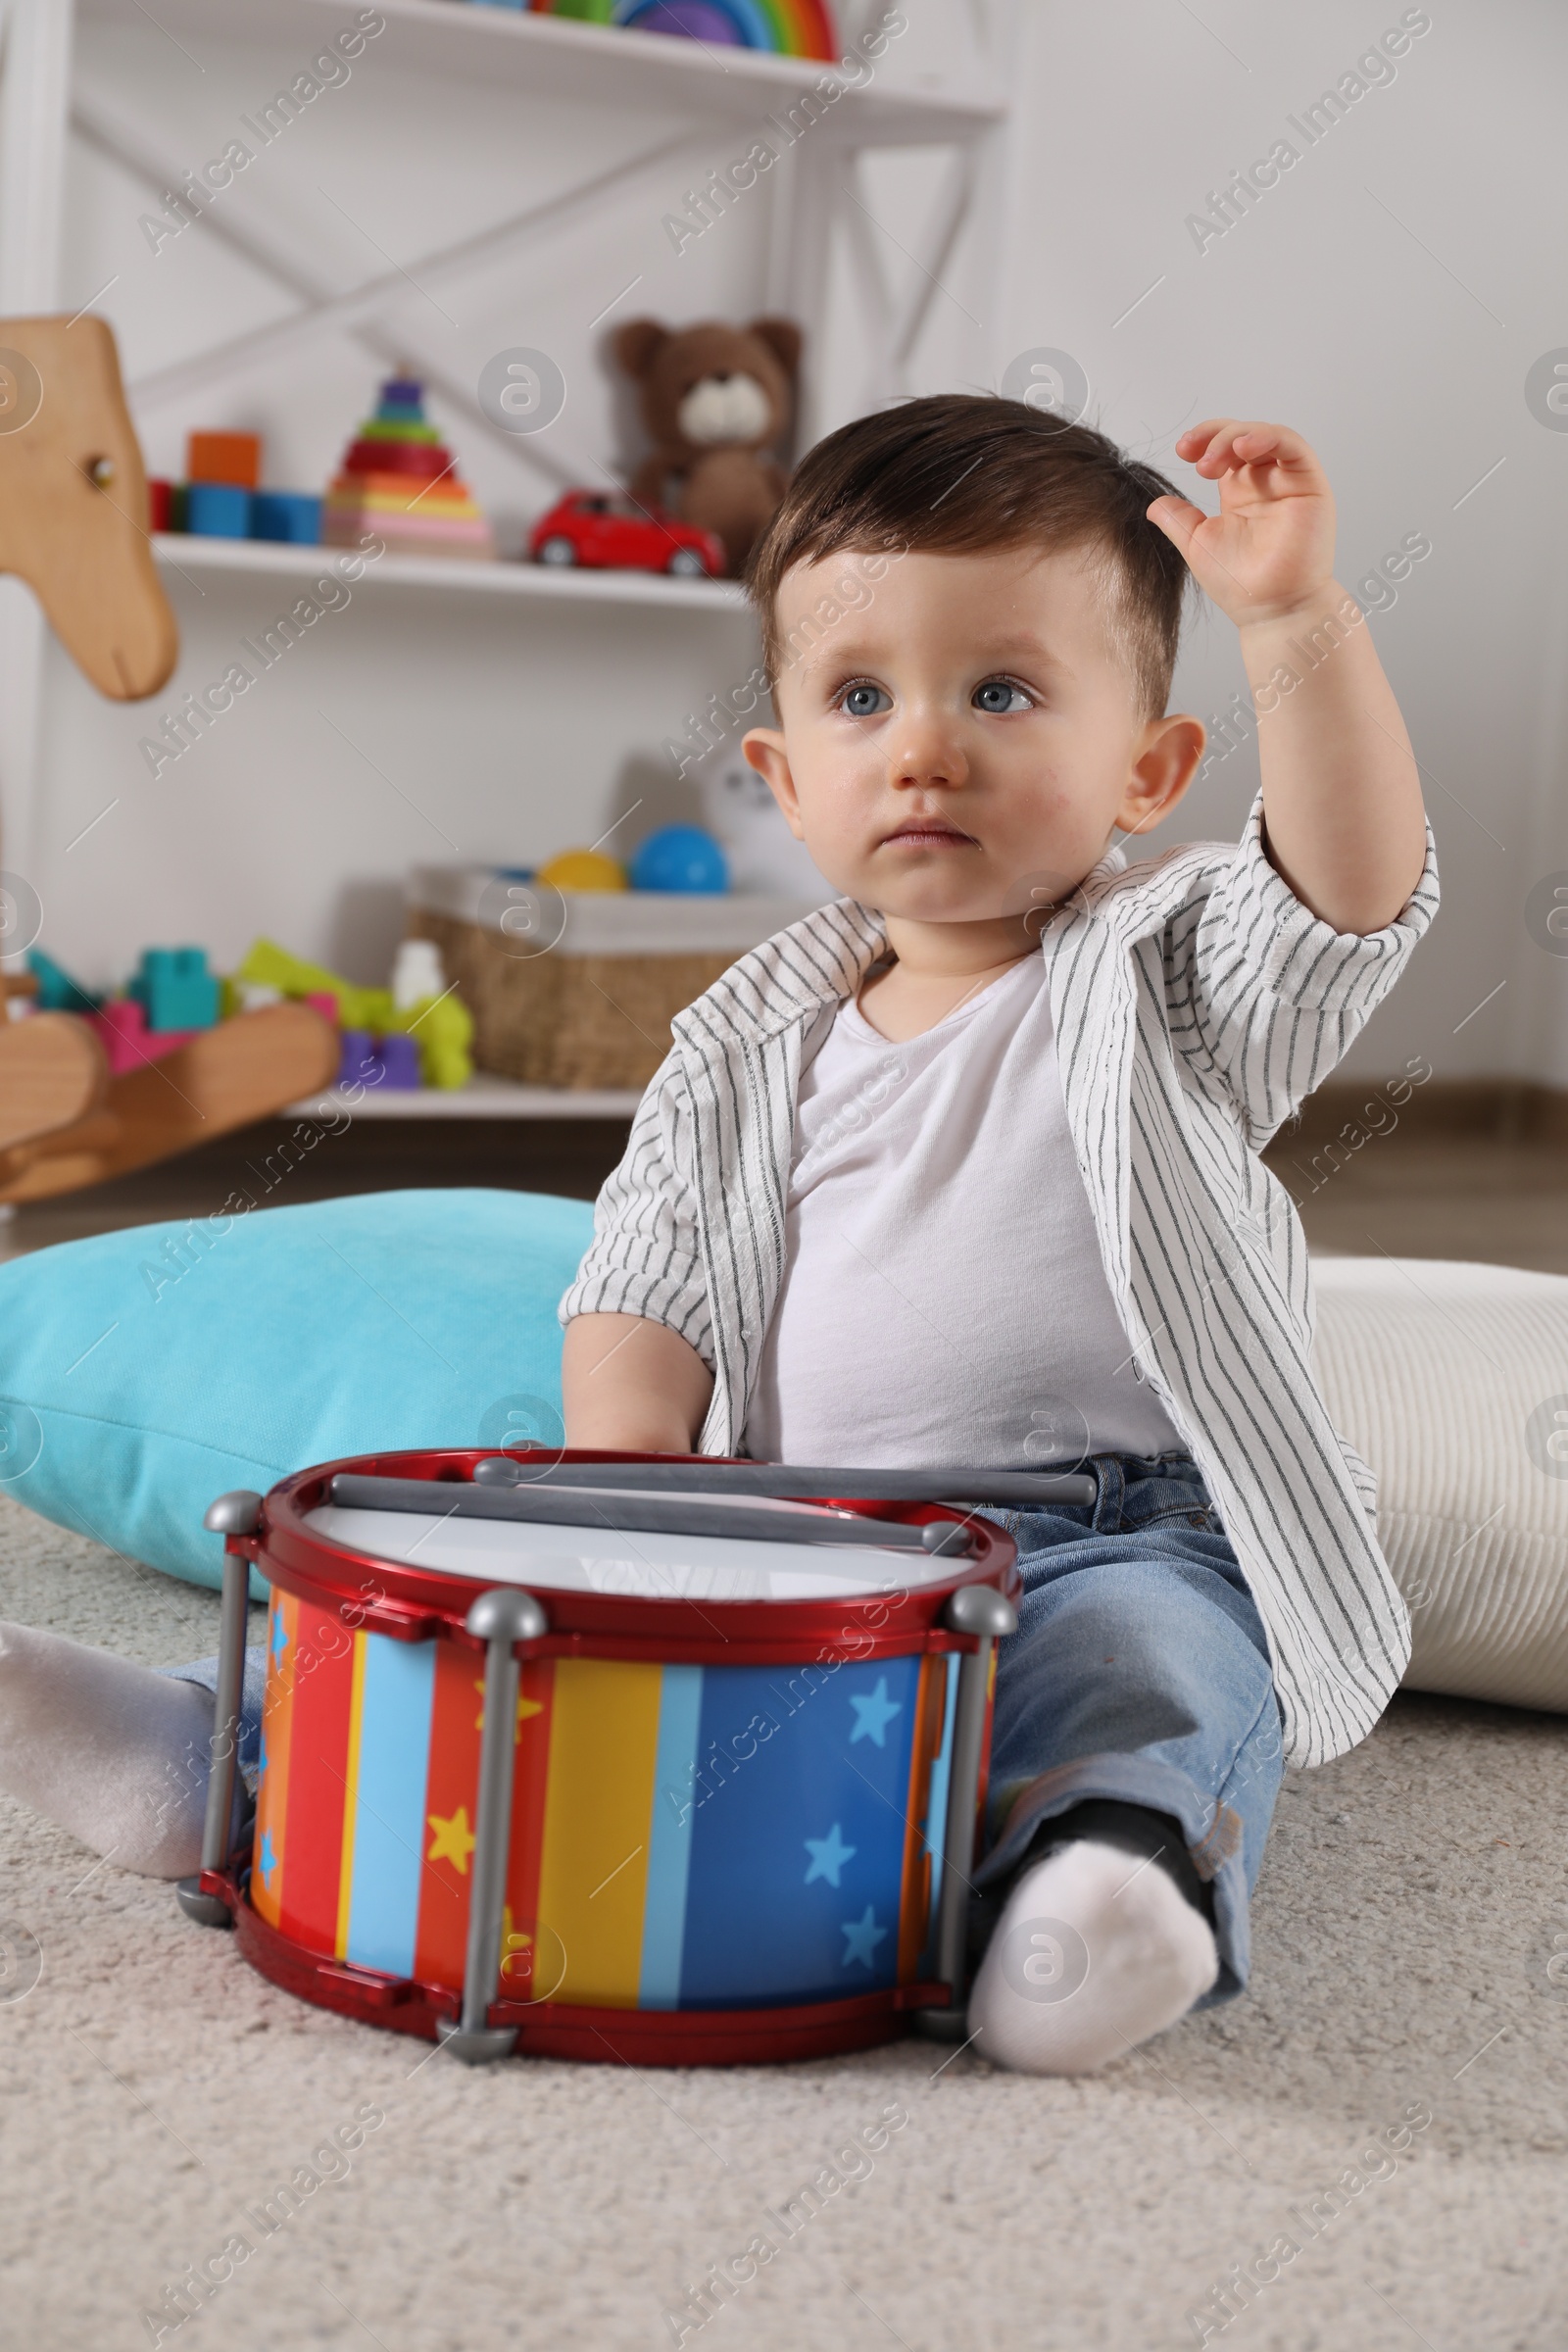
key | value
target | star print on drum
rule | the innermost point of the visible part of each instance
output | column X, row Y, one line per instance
column 658, row 1815
column 873, row 1714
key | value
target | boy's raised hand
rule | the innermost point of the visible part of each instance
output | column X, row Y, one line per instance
column 1342, row 794
column 1269, row 550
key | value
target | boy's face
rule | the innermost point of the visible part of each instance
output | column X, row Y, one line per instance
column 961, row 746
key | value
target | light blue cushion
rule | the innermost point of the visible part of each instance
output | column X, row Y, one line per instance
column 144, row 1372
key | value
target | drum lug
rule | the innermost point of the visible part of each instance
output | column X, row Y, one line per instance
column 943, row 2025
column 237, row 1514
column 206, row 1910
column 981, row 1609
column 475, row 2046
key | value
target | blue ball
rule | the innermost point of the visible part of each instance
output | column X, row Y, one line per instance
column 679, row 858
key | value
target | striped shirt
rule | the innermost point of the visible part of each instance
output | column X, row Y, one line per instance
column 1196, row 1003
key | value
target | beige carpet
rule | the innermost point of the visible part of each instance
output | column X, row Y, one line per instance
column 152, row 2089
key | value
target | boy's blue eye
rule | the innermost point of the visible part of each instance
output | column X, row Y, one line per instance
column 864, row 702
column 999, row 695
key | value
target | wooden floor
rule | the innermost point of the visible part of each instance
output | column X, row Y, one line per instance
column 1445, row 1190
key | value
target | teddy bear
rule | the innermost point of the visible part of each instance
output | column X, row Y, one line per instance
column 714, row 399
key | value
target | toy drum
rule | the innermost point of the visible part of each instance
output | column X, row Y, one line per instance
column 602, row 1770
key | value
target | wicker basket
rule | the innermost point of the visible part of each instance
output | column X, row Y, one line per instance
column 593, row 1011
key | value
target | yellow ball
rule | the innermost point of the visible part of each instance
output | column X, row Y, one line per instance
column 584, row 869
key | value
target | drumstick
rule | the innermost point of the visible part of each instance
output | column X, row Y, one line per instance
column 1017, row 1489
column 448, row 1498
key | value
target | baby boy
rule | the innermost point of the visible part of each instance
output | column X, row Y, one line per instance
column 962, row 1169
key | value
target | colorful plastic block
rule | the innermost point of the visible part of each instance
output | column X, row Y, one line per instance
column 231, row 458
column 217, row 511
column 400, row 1060
column 358, row 1065
column 292, row 516
column 175, row 988
column 160, row 504
column 245, row 996
column 390, row 1061
column 417, row 974
column 57, row 991
column 127, row 1038
column 444, row 1031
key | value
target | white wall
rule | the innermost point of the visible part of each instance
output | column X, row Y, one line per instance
column 514, row 728
column 1400, row 351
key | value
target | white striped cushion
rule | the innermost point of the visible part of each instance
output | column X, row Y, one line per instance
column 1435, row 1371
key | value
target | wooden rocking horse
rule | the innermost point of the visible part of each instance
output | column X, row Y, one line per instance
column 74, row 525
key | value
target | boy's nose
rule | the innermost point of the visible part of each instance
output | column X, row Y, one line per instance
column 927, row 751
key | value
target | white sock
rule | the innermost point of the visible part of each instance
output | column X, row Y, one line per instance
column 1094, row 1952
column 113, row 1751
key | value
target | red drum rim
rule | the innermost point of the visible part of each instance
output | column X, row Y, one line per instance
column 566, row 2030
column 399, row 1598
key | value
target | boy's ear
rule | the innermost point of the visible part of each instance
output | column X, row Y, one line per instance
column 1161, row 770
column 762, row 747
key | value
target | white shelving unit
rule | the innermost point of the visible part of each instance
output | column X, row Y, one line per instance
column 189, row 556
column 554, row 57
column 515, row 697
column 483, row 1097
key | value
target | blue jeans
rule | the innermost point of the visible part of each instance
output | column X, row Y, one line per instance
column 1140, row 1672
column 204, row 1674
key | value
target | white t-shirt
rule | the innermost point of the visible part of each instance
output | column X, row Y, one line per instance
column 944, row 1298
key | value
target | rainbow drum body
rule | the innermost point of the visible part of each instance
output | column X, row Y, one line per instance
column 531, row 1781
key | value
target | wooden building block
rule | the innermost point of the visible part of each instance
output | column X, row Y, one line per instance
column 234, row 457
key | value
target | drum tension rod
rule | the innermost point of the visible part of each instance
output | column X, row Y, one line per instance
column 500, row 1618
column 235, row 1514
column 982, row 1610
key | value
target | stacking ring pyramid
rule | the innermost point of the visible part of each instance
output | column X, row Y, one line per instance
column 399, row 483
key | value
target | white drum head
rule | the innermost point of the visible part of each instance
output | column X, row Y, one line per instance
column 639, row 1562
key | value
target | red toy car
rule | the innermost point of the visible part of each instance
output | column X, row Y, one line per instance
column 599, row 528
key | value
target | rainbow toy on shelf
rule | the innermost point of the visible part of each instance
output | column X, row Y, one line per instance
column 783, row 27
column 401, row 484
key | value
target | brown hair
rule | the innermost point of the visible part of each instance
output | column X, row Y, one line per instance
column 960, row 472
